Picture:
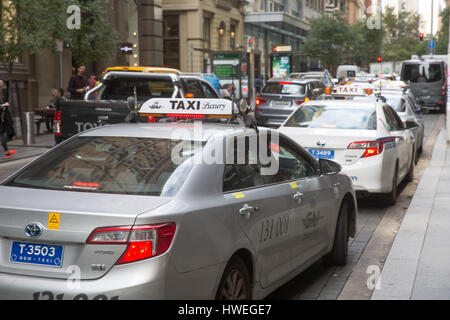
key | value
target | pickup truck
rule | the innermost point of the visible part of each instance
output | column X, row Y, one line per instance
column 110, row 105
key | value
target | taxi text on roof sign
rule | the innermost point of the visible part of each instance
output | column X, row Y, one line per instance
column 188, row 108
column 352, row 91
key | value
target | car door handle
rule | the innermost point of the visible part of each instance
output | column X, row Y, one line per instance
column 247, row 211
column 299, row 197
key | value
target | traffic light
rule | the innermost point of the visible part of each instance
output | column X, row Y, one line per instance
column 421, row 36
column 379, row 59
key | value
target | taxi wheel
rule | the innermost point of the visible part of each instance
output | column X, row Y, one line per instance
column 235, row 283
column 338, row 256
column 410, row 175
column 391, row 197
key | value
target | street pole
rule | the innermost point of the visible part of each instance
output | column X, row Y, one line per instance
column 251, row 80
column 432, row 36
column 448, row 86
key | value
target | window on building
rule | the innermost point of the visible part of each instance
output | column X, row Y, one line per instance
column 207, row 33
column 233, row 37
column 172, row 41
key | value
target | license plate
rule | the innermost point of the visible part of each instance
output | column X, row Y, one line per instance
column 37, row 254
column 322, row 153
column 281, row 103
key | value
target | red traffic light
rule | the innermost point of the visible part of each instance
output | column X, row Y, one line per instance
column 379, row 59
column 421, row 35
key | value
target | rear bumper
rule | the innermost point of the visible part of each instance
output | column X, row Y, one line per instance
column 369, row 175
column 153, row 279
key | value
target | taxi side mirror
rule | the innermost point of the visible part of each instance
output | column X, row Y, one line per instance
column 410, row 124
column 328, row 167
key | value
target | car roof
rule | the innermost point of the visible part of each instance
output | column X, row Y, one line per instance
column 299, row 81
column 346, row 103
column 166, row 130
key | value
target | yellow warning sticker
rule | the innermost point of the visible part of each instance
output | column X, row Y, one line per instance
column 54, row 219
column 239, row 195
column 293, row 185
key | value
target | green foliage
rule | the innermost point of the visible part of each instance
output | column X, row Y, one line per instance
column 402, row 32
column 442, row 36
column 330, row 38
column 35, row 25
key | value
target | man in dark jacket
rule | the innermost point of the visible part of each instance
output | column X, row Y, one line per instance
column 6, row 125
column 78, row 84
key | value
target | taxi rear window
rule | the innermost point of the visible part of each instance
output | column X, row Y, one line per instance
column 116, row 165
column 334, row 117
column 146, row 89
column 285, row 88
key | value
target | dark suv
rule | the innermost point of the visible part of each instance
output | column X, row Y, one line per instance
column 280, row 97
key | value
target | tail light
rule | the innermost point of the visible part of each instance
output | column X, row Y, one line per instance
column 152, row 119
column 143, row 242
column 57, row 123
column 260, row 101
column 443, row 89
column 372, row 148
column 299, row 102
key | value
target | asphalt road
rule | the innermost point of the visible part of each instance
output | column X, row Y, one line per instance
column 376, row 231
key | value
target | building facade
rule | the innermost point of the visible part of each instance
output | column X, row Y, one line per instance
column 280, row 23
column 193, row 29
column 139, row 23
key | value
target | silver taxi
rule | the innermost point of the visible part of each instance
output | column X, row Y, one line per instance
column 171, row 211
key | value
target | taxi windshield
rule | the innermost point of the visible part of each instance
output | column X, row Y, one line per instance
column 116, row 165
column 333, row 117
column 284, row 88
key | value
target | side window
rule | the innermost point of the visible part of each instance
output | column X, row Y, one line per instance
column 394, row 121
column 398, row 121
column 390, row 121
column 193, row 86
column 292, row 164
column 245, row 171
column 208, row 90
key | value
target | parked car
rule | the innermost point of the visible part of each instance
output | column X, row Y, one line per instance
column 427, row 79
column 280, row 97
column 120, row 83
column 138, row 214
column 368, row 139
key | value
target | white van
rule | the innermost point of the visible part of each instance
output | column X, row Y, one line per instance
column 347, row 71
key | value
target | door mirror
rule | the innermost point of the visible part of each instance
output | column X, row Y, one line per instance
column 410, row 124
column 329, row 167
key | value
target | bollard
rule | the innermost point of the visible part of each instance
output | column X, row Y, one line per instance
column 28, row 135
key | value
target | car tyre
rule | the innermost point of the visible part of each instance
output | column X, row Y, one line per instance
column 391, row 197
column 338, row 256
column 235, row 283
column 410, row 175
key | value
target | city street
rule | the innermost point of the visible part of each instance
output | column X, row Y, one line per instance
column 377, row 227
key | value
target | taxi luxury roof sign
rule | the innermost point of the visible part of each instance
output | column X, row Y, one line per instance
column 189, row 108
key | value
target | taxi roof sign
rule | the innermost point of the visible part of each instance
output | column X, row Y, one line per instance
column 144, row 69
column 348, row 90
column 188, row 108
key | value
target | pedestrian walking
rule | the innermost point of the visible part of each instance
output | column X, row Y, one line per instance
column 6, row 125
column 78, row 84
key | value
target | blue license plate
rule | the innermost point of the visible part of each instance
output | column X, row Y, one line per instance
column 322, row 153
column 37, row 254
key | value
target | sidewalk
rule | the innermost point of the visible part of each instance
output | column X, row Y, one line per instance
column 418, row 264
column 42, row 144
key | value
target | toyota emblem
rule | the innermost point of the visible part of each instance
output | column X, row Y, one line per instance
column 34, row 230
